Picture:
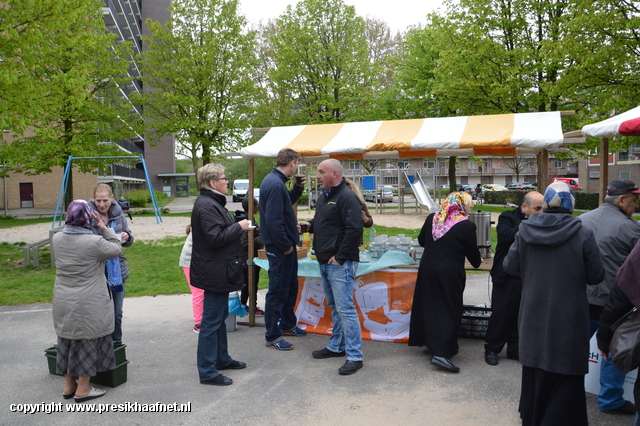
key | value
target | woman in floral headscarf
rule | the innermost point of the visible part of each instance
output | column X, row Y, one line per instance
column 82, row 306
column 447, row 237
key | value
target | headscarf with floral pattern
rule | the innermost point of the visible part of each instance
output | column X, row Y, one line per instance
column 452, row 211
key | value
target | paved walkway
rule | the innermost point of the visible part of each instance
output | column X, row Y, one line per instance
column 396, row 386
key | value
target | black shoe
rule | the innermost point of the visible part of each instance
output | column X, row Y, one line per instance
column 445, row 363
column 234, row 365
column 326, row 353
column 491, row 357
column 219, row 380
column 350, row 367
column 627, row 408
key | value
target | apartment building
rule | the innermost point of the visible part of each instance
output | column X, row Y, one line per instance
column 472, row 171
column 125, row 18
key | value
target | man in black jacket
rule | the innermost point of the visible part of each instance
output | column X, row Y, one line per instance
column 216, row 267
column 507, row 289
column 337, row 228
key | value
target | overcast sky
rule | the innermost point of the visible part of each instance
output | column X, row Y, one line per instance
column 399, row 14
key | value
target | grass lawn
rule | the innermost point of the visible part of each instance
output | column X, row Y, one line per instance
column 153, row 266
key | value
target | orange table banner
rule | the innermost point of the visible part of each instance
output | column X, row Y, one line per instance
column 383, row 301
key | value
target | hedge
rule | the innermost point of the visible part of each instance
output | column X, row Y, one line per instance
column 142, row 198
column 584, row 200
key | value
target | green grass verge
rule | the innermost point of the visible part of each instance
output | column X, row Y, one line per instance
column 153, row 265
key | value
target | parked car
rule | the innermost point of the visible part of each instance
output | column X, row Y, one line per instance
column 465, row 187
column 385, row 195
column 520, row 185
column 493, row 187
column 572, row 182
column 239, row 191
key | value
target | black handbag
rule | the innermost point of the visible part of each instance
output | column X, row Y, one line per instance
column 625, row 343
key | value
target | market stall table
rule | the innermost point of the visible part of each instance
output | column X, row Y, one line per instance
column 383, row 297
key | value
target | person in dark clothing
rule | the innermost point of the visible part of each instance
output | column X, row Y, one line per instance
column 279, row 233
column 505, row 297
column 216, row 267
column 624, row 296
column 555, row 257
column 616, row 233
column 126, row 207
column 337, row 228
column 448, row 237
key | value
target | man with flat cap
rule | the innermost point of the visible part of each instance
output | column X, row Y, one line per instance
column 616, row 234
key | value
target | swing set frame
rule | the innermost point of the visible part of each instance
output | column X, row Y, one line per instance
column 58, row 214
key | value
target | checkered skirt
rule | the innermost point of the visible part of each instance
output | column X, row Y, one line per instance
column 85, row 357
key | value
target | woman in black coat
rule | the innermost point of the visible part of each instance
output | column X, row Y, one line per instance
column 216, row 268
column 448, row 237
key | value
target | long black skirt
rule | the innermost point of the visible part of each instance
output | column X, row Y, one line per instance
column 552, row 398
column 85, row 357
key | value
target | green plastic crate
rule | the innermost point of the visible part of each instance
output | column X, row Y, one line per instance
column 110, row 378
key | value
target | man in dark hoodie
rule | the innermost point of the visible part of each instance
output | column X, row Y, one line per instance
column 556, row 257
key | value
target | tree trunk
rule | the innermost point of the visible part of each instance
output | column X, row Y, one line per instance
column 452, row 174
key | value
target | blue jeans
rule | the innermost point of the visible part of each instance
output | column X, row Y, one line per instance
column 337, row 281
column 611, row 380
column 118, row 300
column 280, row 300
column 212, row 339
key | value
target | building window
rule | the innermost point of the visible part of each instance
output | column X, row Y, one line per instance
column 166, row 186
column 354, row 165
column 623, row 156
column 497, row 164
column 429, row 164
column 624, row 175
column 557, row 164
column 403, row 164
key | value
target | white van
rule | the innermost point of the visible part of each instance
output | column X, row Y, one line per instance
column 240, row 188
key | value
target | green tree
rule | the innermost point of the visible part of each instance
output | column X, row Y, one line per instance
column 319, row 70
column 413, row 93
column 498, row 56
column 70, row 70
column 604, row 44
column 199, row 72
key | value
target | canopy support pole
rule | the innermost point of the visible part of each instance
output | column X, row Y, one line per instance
column 543, row 170
column 251, row 249
column 604, row 168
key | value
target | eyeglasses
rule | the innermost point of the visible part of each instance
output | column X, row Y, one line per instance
column 224, row 179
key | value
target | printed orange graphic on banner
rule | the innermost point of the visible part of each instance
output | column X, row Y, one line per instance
column 383, row 301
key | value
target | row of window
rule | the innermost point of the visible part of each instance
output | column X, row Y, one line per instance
column 430, row 164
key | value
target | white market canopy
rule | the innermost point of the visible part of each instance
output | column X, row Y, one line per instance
column 625, row 124
column 504, row 135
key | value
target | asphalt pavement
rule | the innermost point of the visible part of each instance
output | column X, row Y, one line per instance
column 397, row 384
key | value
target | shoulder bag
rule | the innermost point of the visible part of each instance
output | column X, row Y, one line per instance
column 625, row 343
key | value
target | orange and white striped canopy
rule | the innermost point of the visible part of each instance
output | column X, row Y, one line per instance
column 485, row 135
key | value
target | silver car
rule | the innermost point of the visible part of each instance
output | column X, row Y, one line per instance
column 385, row 195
